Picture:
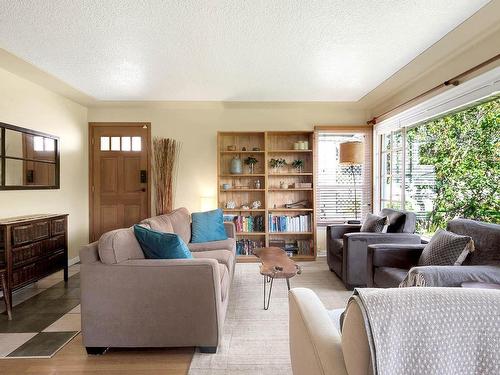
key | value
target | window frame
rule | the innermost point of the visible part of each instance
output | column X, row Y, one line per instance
column 367, row 131
column 475, row 91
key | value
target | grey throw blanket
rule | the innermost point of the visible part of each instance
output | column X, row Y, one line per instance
column 432, row 330
column 451, row 275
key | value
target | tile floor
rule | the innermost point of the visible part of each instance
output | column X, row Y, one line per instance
column 46, row 315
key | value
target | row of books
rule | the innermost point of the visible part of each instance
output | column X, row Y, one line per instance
column 293, row 247
column 246, row 223
column 284, row 223
column 246, row 247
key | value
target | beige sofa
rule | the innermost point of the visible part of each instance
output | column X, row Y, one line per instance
column 129, row 301
column 316, row 345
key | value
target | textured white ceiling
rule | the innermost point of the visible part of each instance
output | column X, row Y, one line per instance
column 274, row 50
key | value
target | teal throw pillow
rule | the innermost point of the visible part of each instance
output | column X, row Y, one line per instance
column 208, row 226
column 161, row 245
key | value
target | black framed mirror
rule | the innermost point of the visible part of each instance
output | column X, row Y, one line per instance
column 29, row 160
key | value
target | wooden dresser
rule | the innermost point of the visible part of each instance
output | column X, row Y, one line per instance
column 32, row 247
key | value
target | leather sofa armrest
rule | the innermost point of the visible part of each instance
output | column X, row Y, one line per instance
column 230, row 229
column 337, row 231
column 355, row 253
column 315, row 343
column 402, row 256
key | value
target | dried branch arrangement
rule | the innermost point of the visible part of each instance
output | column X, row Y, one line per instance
column 165, row 155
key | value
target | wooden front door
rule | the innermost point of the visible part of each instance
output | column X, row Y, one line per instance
column 119, row 175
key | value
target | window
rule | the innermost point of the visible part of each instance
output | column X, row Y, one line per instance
column 121, row 144
column 444, row 167
column 391, row 178
column 335, row 193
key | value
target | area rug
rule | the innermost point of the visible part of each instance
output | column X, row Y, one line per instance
column 42, row 324
column 255, row 341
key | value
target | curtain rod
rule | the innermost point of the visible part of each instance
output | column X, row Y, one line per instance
column 455, row 81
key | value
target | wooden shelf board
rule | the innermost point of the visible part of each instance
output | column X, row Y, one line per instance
column 290, row 174
column 243, row 175
column 250, row 233
column 288, row 151
column 242, row 152
column 243, row 210
column 291, row 209
column 243, row 190
column 254, row 259
column 288, row 233
column 291, row 189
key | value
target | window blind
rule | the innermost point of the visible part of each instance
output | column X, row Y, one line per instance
column 334, row 186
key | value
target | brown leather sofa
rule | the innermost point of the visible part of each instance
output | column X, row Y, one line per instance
column 129, row 301
column 347, row 247
column 388, row 264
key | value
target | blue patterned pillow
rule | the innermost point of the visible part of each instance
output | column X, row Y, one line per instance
column 208, row 226
column 161, row 245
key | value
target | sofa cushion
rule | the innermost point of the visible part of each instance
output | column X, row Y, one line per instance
column 446, row 249
column 229, row 244
column 159, row 223
column 225, row 257
column 119, row 245
column 208, row 226
column 373, row 223
column 389, row 277
column 337, row 246
column 181, row 223
column 486, row 238
column 399, row 221
column 160, row 245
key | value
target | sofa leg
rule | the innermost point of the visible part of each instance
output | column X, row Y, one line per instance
column 208, row 349
column 95, row 350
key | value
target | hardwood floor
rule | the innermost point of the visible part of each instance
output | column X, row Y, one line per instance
column 72, row 359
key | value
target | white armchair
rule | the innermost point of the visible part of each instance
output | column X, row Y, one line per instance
column 316, row 345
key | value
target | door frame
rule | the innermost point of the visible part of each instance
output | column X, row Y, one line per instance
column 91, row 141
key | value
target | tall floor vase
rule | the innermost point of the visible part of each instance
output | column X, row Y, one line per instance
column 165, row 155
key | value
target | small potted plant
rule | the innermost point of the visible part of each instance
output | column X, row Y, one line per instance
column 251, row 161
column 298, row 165
column 277, row 164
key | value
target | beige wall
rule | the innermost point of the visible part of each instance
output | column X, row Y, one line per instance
column 28, row 105
column 196, row 124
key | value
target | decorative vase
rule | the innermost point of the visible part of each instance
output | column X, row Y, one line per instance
column 236, row 167
column 257, row 184
column 251, row 168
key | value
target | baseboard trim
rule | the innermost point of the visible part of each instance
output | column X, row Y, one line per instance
column 75, row 260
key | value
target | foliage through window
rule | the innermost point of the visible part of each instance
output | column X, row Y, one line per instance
column 451, row 167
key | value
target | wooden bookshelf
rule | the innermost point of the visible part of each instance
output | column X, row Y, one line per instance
column 273, row 197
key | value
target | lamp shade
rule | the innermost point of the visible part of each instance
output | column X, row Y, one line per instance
column 351, row 152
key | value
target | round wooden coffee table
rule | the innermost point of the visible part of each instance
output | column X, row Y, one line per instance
column 275, row 265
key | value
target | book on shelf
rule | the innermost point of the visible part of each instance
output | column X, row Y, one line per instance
column 286, row 223
column 293, row 247
column 246, row 247
column 246, row 223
